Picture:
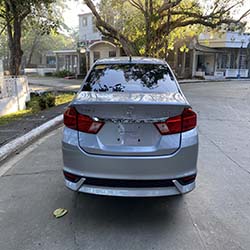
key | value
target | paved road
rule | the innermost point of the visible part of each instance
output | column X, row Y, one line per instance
column 216, row 215
column 52, row 83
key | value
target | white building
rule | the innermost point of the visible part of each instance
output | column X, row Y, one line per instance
column 215, row 55
column 211, row 55
column 92, row 43
column 231, row 57
column 87, row 28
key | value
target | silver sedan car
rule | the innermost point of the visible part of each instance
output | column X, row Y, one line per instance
column 130, row 132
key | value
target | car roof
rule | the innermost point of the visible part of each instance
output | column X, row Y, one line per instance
column 133, row 59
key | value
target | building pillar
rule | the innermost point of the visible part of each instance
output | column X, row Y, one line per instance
column 57, row 63
column 78, row 64
column 183, row 66
column 194, row 63
column 238, row 59
column 176, row 60
column 215, row 63
column 73, row 64
column 70, row 63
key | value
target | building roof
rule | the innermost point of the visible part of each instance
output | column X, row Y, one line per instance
column 205, row 49
column 101, row 42
column 225, row 39
column 85, row 14
column 65, row 51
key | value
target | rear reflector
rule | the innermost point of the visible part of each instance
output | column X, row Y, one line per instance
column 83, row 123
column 71, row 177
column 177, row 124
column 187, row 180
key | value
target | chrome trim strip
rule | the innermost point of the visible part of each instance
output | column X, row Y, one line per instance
column 184, row 188
column 130, row 192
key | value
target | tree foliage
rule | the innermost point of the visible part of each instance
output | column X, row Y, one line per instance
column 35, row 44
column 151, row 27
column 16, row 15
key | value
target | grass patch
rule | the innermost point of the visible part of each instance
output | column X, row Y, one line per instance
column 38, row 103
column 14, row 116
column 64, row 98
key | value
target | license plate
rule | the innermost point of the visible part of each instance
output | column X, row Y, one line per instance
column 129, row 134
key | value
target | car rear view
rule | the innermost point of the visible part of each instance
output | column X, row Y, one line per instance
column 130, row 132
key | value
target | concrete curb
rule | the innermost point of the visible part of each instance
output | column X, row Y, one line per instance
column 211, row 80
column 20, row 142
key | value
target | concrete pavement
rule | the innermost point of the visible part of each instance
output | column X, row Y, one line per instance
column 216, row 215
column 52, row 83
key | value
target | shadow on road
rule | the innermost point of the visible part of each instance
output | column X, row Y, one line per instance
column 127, row 211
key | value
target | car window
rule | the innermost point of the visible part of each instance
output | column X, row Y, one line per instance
column 130, row 78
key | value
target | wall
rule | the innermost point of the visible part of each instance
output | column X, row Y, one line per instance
column 224, row 40
column 39, row 71
column 87, row 32
column 14, row 93
column 209, row 64
column 104, row 49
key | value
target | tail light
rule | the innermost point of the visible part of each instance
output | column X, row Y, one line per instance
column 189, row 119
column 70, row 118
column 79, row 122
column 177, row 124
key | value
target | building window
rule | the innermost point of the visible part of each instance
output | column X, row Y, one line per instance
column 97, row 55
column 84, row 21
column 242, row 62
column 188, row 59
column 51, row 60
column 94, row 25
column 112, row 53
column 179, row 60
column 232, row 61
column 223, row 64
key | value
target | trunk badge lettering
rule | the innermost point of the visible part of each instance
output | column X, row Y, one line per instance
column 130, row 111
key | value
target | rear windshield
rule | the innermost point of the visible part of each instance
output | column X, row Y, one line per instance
column 130, row 78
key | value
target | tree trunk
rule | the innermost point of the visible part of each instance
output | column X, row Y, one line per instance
column 167, row 33
column 128, row 47
column 34, row 44
column 14, row 38
column 147, row 27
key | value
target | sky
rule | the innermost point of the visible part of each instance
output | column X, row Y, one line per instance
column 76, row 7
column 71, row 13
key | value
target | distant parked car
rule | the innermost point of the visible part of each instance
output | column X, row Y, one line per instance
column 130, row 132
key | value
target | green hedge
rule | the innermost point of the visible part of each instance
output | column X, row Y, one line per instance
column 63, row 73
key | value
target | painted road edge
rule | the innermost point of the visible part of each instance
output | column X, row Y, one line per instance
column 21, row 141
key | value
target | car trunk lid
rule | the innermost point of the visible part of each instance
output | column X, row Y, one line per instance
column 129, row 122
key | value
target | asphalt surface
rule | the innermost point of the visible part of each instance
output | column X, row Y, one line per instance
column 23, row 125
column 51, row 84
column 216, row 215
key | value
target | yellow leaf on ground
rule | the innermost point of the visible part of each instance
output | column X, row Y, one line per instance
column 59, row 212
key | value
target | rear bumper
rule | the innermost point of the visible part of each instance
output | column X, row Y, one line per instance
column 176, row 189
column 171, row 167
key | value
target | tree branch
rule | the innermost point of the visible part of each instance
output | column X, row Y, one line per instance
column 168, row 5
column 137, row 5
column 211, row 20
column 205, row 21
column 128, row 46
